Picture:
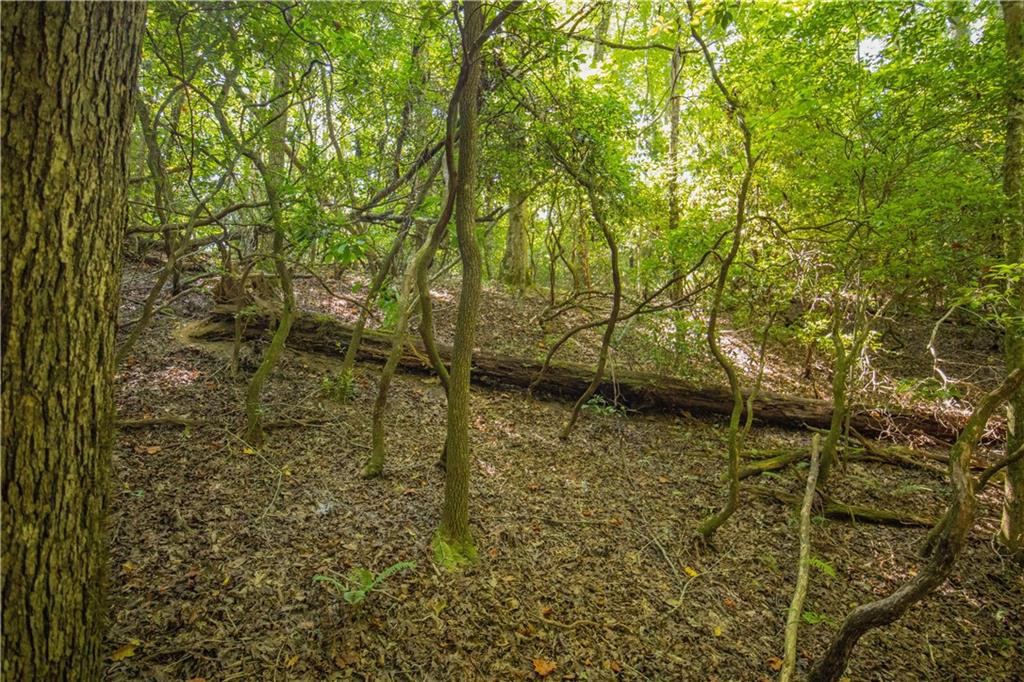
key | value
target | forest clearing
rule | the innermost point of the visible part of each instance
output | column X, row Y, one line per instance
column 513, row 341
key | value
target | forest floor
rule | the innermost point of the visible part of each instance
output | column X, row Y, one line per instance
column 585, row 554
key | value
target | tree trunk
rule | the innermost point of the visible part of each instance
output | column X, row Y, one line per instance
column 68, row 81
column 796, row 606
column 581, row 256
column 839, row 385
column 613, row 315
column 453, row 542
column 515, row 271
column 708, row 527
column 273, row 173
column 161, row 187
column 378, row 279
column 1012, row 527
column 600, row 32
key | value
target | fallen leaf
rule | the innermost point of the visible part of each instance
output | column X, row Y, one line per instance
column 613, row 665
column 147, row 449
column 775, row 663
column 344, row 660
column 545, row 610
column 291, row 661
column 717, row 630
column 248, row 451
column 690, row 571
column 544, row 667
column 729, row 603
column 127, row 651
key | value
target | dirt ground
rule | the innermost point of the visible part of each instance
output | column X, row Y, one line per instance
column 585, row 554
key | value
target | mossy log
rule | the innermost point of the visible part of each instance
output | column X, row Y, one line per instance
column 848, row 512
column 773, row 460
column 637, row 391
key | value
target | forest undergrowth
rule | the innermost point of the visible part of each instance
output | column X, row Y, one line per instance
column 586, row 568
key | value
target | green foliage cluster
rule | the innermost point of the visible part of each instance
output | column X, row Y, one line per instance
column 361, row 581
column 340, row 387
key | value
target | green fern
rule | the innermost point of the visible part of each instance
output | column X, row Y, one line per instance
column 823, row 566
column 363, row 581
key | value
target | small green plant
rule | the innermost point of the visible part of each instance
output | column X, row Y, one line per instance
column 813, row 618
column 910, row 488
column 363, row 581
column 927, row 389
column 823, row 566
column 247, row 312
column 387, row 302
column 599, row 405
column 340, row 387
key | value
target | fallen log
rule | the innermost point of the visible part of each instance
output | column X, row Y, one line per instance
column 784, row 458
column 838, row 511
column 637, row 391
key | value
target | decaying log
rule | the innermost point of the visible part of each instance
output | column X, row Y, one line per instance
column 907, row 459
column 636, row 391
column 839, row 511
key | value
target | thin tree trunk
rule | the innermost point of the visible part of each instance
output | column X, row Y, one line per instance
column 273, row 172
column 601, row 31
column 454, row 542
column 161, row 186
column 796, row 606
column 839, row 384
column 375, row 465
column 69, row 72
column 613, row 315
column 378, row 280
column 1011, row 532
column 707, row 528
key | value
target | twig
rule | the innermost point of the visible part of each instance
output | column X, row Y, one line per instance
column 125, row 424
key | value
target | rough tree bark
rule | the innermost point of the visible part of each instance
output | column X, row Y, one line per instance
column 69, row 74
column 454, row 542
column 1011, row 532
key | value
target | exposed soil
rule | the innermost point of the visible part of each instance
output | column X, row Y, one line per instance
column 585, row 553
